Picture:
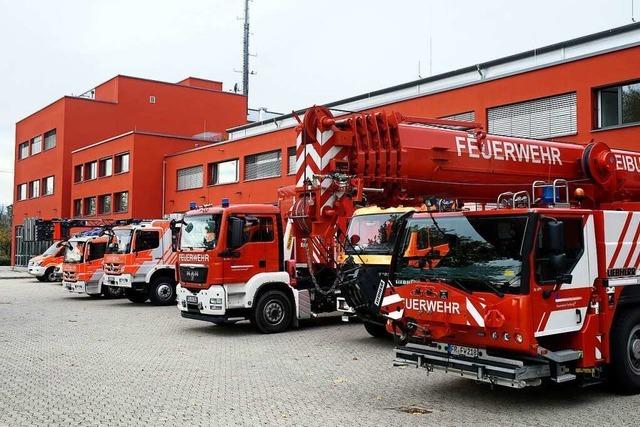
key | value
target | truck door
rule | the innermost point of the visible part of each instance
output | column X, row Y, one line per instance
column 256, row 250
column 565, row 268
column 147, row 251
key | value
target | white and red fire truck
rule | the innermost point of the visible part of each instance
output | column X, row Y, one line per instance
column 44, row 267
column 141, row 261
column 543, row 286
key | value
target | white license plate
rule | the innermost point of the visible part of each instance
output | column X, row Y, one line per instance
column 192, row 299
column 458, row 350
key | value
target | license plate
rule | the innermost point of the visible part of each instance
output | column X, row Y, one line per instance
column 192, row 299
column 457, row 350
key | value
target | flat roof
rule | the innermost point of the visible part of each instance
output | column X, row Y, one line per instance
column 138, row 132
column 567, row 51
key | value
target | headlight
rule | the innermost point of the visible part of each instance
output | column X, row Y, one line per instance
column 216, row 301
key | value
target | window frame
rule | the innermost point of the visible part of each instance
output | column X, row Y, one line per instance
column 86, row 206
column 43, row 185
column 100, row 204
column 31, row 143
column 212, row 172
column 201, row 167
column 77, row 203
column 31, row 192
column 19, row 196
column 598, row 106
column 104, row 161
column 87, row 168
column 44, row 139
column 117, row 160
column 289, row 163
column 279, row 174
column 78, row 179
column 27, row 145
column 115, row 208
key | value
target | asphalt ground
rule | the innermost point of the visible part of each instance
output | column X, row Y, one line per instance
column 72, row 360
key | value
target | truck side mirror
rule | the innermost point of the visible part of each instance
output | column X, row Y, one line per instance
column 236, row 230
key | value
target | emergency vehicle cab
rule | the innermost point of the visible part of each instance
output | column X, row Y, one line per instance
column 44, row 266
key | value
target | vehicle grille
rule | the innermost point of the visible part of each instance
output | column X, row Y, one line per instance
column 69, row 276
column 193, row 274
column 113, row 268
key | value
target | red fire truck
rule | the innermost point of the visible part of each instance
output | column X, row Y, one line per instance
column 141, row 261
column 539, row 283
column 82, row 267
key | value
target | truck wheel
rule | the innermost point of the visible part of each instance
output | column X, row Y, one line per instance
column 625, row 352
column 136, row 297
column 272, row 313
column 42, row 278
column 113, row 292
column 50, row 275
column 162, row 291
column 376, row 330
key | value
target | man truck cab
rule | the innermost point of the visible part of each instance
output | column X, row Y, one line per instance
column 82, row 267
column 141, row 262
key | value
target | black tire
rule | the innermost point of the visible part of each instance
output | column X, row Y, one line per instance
column 162, row 290
column 112, row 291
column 50, row 275
column 376, row 330
column 272, row 313
column 625, row 352
column 136, row 297
column 42, row 278
column 95, row 296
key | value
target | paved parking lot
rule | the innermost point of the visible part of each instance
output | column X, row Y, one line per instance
column 67, row 359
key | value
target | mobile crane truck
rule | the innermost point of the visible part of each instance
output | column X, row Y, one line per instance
column 141, row 262
column 544, row 286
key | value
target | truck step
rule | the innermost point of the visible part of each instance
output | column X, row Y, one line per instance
column 563, row 378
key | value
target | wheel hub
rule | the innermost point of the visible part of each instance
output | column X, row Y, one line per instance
column 273, row 312
column 635, row 348
column 164, row 291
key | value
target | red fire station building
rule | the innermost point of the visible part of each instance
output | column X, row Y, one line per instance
column 579, row 90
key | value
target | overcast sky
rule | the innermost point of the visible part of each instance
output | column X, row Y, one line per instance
column 307, row 51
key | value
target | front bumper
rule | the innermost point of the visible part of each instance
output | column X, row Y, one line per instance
column 206, row 302
column 119, row 280
column 516, row 373
column 37, row 271
column 80, row 287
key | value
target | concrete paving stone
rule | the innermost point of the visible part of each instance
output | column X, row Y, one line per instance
column 71, row 360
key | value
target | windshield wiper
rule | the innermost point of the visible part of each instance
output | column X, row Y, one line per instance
column 450, row 280
column 488, row 284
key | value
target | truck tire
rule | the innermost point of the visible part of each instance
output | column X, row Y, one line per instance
column 136, row 297
column 50, row 275
column 625, row 352
column 376, row 330
column 272, row 313
column 162, row 291
column 112, row 292
column 42, row 278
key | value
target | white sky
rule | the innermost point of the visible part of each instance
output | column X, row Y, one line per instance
column 309, row 52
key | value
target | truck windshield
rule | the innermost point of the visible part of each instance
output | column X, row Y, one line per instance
column 121, row 243
column 51, row 250
column 74, row 251
column 376, row 233
column 473, row 253
column 200, row 231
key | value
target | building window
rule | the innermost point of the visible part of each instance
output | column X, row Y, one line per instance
column 90, row 170
column 106, row 167
column 291, row 160
column 121, row 201
column 34, row 189
column 469, row 116
column 539, row 118
column 263, row 165
column 47, row 186
column 122, row 163
column 190, row 178
column 36, row 145
column 23, row 150
column 50, row 139
column 89, row 206
column 78, row 173
column 619, row 105
column 104, row 204
column 223, row 172
column 77, row 207
column 22, row 192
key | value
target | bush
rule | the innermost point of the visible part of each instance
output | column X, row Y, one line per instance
column 5, row 261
